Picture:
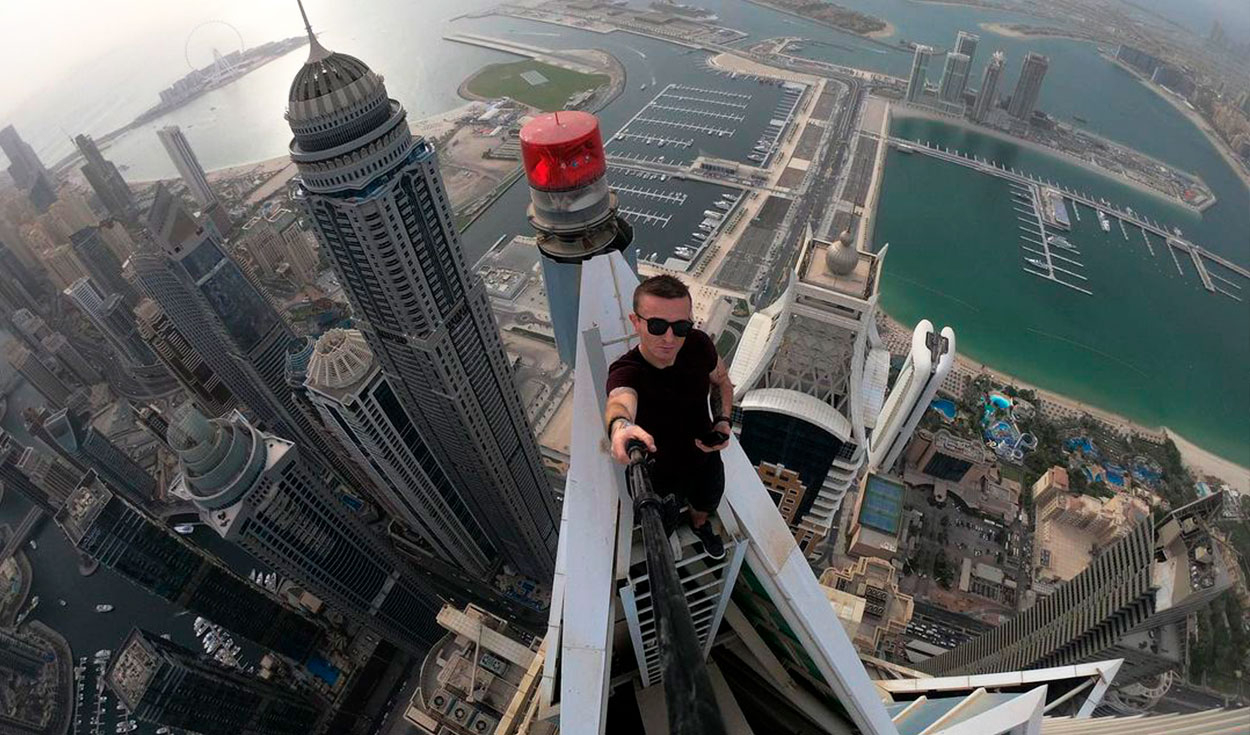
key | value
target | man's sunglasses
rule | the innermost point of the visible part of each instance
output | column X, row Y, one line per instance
column 658, row 326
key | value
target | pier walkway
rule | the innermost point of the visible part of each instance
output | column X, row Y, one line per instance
column 1199, row 255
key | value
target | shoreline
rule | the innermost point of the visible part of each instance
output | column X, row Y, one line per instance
column 1200, row 461
column 1002, row 29
column 907, row 111
column 874, row 36
column 1194, row 119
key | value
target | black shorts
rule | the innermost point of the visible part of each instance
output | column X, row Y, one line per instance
column 699, row 485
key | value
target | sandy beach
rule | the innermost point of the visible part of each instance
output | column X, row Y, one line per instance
column 903, row 111
column 1003, row 29
column 883, row 33
column 1199, row 461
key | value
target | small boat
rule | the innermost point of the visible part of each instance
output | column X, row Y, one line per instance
column 184, row 528
column 103, row 653
column 642, row 87
column 167, row 636
column 102, row 608
column 33, row 546
column 62, row 603
column 1037, row 263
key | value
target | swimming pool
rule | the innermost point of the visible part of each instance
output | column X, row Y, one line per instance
column 945, row 407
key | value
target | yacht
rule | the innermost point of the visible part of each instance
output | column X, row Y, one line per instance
column 184, row 528
column 1103, row 222
column 33, row 546
column 1037, row 263
column 102, row 608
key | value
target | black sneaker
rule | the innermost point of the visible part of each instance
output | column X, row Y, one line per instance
column 712, row 545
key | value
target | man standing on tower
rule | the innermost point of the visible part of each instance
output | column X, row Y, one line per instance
column 659, row 393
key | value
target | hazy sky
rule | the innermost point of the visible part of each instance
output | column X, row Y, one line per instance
column 48, row 39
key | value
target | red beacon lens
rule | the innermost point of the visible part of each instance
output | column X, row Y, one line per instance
column 562, row 151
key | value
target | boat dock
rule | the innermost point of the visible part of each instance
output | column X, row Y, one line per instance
column 1042, row 260
column 1200, row 256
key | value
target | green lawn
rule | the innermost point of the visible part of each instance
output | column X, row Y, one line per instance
column 505, row 80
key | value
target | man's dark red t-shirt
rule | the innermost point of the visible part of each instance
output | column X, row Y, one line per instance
column 672, row 401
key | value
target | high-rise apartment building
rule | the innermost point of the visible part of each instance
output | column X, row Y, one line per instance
column 111, row 315
column 163, row 683
column 63, row 265
column 209, row 291
column 24, row 288
column 1029, row 86
column 109, row 529
column 107, row 182
column 188, row 165
column 955, row 77
column 916, row 79
column 30, row 327
column 59, row 346
column 356, row 400
column 375, row 198
column 930, row 360
column 258, row 490
column 103, row 265
column 987, row 96
column 280, row 247
column 966, row 44
column 189, row 368
column 20, row 656
column 44, row 481
column 1124, row 605
column 82, row 445
column 52, row 388
column 27, row 170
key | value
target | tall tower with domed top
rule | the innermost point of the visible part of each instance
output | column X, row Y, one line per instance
column 373, row 193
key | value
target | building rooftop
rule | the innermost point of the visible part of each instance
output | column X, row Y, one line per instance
column 815, row 270
column 340, row 361
column 882, row 506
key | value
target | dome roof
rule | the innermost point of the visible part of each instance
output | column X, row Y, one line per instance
column 341, row 359
column 841, row 257
column 325, row 72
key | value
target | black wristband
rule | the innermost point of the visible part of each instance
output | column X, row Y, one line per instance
column 717, row 419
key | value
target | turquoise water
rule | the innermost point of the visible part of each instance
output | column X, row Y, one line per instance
column 1150, row 343
column 945, row 407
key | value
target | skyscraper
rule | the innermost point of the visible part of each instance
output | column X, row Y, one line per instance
column 53, row 390
column 188, row 366
column 188, row 165
column 106, row 181
column 211, row 292
column 810, row 383
column 916, row 80
column 44, row 481
column 1029, row 86
column 1122, row 606
column 60, row 347
column 24, row 288
column 375, row 197
column 988, row 94
column 259, row 491
column 356, row 399
column 109, row 529
column 110, row 314
column 27, row 170
column 955, row 77
column 105, row 268
column 165, row 684
column 82, row 445
column 966, row 44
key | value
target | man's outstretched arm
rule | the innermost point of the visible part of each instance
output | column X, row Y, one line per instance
column 619, row 417
column 721, row 399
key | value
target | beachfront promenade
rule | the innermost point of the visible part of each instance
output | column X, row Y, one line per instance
column 1197, row 253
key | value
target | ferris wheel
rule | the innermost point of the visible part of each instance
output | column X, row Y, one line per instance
column 214, row 34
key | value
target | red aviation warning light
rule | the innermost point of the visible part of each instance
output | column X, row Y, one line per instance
column 562, row 152
column 571, row 206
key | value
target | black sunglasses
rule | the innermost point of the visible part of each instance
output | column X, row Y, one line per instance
column 658, row 326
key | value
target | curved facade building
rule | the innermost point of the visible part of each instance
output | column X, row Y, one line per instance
column 253, row 489
column 374, row 196
column 810, row 379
